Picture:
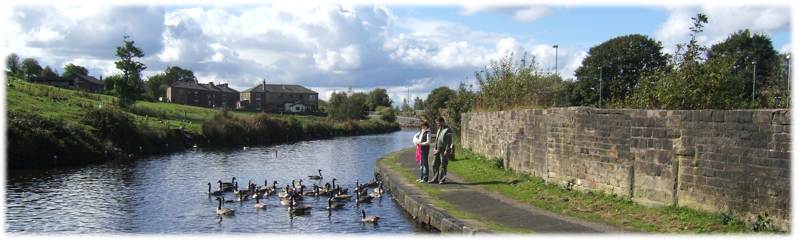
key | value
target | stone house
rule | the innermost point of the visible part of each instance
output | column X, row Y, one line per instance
column 202, row 95
column 279, row 98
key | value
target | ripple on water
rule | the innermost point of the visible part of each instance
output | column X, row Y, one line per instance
column 167, row 194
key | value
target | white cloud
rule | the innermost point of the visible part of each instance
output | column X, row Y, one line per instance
column 722, row 21
column 531, row 14
column 324, row 47
column 518, row 13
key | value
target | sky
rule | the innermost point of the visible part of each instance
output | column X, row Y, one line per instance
column 406, row 49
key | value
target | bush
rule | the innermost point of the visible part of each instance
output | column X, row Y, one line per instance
column 35, row 141
column 387, row 114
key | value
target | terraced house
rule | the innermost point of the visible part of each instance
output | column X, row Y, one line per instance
column 202, row 95
column 279, row 98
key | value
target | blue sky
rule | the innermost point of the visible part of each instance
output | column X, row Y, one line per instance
column 335, row 47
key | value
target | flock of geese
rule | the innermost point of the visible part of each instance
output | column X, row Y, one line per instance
column 293, row 195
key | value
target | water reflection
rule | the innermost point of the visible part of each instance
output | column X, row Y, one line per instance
column 167, row 194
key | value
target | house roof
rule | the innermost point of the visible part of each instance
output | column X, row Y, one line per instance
column 294, row 89
column 87, row 78
column 205, row 87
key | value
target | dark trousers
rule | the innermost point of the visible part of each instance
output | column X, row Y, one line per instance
column 439, row 167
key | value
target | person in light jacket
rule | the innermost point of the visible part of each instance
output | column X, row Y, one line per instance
column 442, row 152
column 423, row 141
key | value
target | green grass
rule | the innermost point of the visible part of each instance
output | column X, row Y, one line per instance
column 434, row 193
column 70, row 105
column 591, row 206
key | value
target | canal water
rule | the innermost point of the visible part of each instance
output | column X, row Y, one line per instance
column 168, row 194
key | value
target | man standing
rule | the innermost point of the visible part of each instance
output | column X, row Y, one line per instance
column 442, row 152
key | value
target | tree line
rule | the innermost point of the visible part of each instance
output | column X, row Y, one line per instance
column 632, row 71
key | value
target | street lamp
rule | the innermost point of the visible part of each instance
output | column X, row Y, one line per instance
column 556, row 47
column 788, row 79
column 600, row 101
column 754, row 80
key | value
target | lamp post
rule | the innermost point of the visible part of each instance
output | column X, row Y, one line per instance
column 600, row 100
column 788, row 79
column 754, row 81
column 556, row 47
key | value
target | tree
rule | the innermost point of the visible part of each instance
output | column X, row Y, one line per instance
column 343, row 107
column 462, row 102
column 357, row 105
column 746, row 48
column 47, row 72
column 71, row 69
column 13, row 66
column 130, row 87
column 175, row 73
column 109, row 82
column 419, row 104
column 436, row 100
column 378, row 97
column 155, row 86
column 387, row 114
column 622, row 61
column 31, row 68
column 405, row 108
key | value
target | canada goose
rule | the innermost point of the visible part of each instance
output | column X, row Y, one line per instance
column 377, row 192
column 297, row 210
column 227, row 186
column 260, row 205
column 373, row 183
column 213, row 193
column 331, row 205
column 314, row 192
column 315, row 177
column 224, row 211
column 368, row 219
column 362, row 199
column 285, row 192
column 242, row 197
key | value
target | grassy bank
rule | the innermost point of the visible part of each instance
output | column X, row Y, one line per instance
column 593, row 206
column 49, row 126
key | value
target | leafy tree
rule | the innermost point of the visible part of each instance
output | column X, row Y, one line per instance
column 130, row 87
column 378, row 97
column 419, row 104
column 436, row 100
column 462, row 102
column 387, row 113
column 48, row 72
column 175, row 73
column 31, row 68
column 746, row 48
column 71, row 69
column 622, row 61
column 357, row 105
column 155, row 86
column 13, row 66
column 109, row 82
column 343, row 107
column 405, row 108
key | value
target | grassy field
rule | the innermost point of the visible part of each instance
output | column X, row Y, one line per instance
column 47, row 123
column 592, row 206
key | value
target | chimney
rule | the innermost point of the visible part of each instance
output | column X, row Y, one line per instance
column 264, row 85
column 211, row 83
column 223, row 85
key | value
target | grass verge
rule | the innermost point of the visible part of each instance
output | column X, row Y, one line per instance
column 434, row 194
column 591, row 206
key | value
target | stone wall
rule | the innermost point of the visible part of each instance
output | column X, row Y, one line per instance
column 715, row 160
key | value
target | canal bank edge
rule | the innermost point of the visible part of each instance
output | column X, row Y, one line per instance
column 416, row 202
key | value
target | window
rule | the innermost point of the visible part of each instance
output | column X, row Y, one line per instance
column 311, row 97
